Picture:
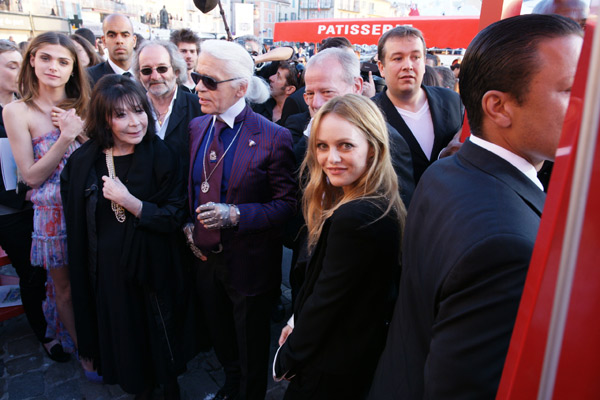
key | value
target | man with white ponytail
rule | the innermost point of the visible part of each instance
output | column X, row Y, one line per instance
column 241, row 192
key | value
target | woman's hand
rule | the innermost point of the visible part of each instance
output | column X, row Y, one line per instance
column 285, row 332
column 69, row 123
column 114, row 190
column 55, row 114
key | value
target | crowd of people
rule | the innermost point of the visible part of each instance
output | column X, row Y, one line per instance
column 157, row 188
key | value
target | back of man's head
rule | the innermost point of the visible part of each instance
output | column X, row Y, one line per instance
column 87, row 34
column 574, row 9
column 335, row 41
column 503, row 57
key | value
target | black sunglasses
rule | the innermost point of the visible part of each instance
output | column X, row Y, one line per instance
column 207, row 81
column 148, row 71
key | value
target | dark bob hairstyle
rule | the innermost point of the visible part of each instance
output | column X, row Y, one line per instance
column 111, row 93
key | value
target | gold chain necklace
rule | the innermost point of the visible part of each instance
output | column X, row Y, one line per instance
column 110, row 165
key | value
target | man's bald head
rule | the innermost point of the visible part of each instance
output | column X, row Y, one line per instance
column 119, row 39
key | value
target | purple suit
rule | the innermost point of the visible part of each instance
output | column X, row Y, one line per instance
column 263, row 187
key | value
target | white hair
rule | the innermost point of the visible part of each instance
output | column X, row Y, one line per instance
column 237, row 63
column 347, row 60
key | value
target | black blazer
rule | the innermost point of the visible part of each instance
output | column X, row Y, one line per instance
column 447, row 114
column 98, row 71
column 342, row 308
column 11, row 198
column 464, row 265
column 177, row 136
column 294, row 104
column 265, row 109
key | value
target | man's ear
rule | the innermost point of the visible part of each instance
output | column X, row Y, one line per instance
column 242, row 89
column 358, row 85
column 497, row 106
column 289, row 90
column 380, row 66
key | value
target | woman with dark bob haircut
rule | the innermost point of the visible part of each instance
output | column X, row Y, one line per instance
column 123, row 199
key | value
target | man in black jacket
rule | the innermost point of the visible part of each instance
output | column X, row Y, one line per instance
column 426, row 117
column 472, row 227
column 119, row 40
column 161, row 70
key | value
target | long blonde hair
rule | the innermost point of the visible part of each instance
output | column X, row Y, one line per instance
column 379, row 182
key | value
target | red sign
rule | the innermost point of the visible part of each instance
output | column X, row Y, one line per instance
column 443, row 32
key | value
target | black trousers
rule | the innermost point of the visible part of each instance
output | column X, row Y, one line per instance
column 238, row 327
column 15, row 239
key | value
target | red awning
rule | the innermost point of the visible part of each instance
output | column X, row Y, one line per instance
column 443, row 32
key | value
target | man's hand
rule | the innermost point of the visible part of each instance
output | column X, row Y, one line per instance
column 454, row 145
column 218, row 215
column 369, row 86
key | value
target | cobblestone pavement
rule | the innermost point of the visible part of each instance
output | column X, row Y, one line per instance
column 26, row 373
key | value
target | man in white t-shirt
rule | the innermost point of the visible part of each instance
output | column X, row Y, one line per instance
column 427, row 117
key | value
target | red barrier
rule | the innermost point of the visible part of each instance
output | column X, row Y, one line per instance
column 530, row 360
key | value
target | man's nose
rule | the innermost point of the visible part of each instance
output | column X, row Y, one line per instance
column 318, row 101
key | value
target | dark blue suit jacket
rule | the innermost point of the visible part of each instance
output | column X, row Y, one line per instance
column 465, row 260
column 98, row 71
column 263, row 187
column 447, row 114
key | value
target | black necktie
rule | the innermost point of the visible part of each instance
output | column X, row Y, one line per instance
column 127, row 74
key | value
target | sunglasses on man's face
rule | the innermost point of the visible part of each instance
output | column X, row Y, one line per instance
column 148, row 71
column 209, row 82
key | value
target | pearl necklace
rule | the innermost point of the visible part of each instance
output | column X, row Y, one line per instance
column 110, row 165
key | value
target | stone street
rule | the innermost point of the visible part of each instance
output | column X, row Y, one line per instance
column 26, row 373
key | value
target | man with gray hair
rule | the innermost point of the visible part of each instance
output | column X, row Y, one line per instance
column 241, row 193
column 335, row 72
column 159, row 67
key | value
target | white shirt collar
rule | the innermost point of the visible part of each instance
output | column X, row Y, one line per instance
column 229, row 116
column 161, row 130
column 517, row 161
column 118, row 70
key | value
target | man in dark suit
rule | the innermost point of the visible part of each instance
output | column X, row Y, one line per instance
column 241, row 192
column 427, row 117
column 173, row 107
column 465, row 258
column 119, row 40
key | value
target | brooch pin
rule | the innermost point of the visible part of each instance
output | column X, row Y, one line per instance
column 251, row 143
column 212, row 156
